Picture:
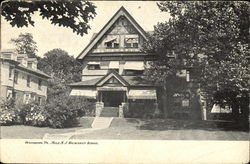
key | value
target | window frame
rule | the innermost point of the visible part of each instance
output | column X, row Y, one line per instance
column 16, row 73
column 28, row 80
column 11, row 69
column 39, row 84
column 132, row 44
column 135, row 72
column 97, row 66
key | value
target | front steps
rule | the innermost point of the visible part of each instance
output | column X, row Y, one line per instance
column 110, row 112
column 101, row 122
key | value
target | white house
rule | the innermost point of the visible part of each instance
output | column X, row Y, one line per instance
column 20, row 78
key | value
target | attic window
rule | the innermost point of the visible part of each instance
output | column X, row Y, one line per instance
column 131, row 41
column 112, row 42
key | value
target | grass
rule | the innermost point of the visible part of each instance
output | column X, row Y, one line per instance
column 167, row 129
column 30, row 132
column 138, row 129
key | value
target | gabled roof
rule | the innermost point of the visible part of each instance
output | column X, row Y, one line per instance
column 121, row 12
column 32, row 71
column 132, row 81
column 114, row 74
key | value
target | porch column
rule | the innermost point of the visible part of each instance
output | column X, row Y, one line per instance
column 99, row 108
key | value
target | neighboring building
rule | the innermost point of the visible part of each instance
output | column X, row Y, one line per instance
column 113, row 73
column 20, row 78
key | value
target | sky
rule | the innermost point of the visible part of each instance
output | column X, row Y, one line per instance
column 49, row 36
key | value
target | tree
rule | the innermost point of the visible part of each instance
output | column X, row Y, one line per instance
column 25, row 44
column 64, row 69
column 58, row 63
column 74, row 14
column 210, row 37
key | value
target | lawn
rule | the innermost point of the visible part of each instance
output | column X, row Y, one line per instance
column 167, row 129
column 139, row 129
column 30, row 132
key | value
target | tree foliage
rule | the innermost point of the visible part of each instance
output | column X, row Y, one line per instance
column 210, row 37
column 25, row 44
column 74, row 14
column 64, row 69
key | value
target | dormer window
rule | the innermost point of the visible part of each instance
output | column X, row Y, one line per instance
column 131, row 41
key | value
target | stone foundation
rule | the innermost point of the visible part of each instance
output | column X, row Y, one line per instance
column 98, row 108
column 122, row 107
column 156, row 109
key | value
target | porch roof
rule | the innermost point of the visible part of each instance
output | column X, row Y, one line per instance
column 131, row 80
column 91, row 82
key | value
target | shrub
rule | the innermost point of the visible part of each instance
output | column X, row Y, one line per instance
column 35, row 115
column 8, row 113
column 64, row 111
column 60, row 112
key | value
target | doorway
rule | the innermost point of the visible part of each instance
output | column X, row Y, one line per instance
column 113, row 98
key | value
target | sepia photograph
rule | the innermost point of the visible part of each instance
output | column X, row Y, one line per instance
column 80, row 73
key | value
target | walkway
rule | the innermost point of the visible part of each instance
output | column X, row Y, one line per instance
column 99, row 123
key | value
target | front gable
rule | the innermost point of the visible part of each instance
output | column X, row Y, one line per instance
column 112, row 79
column 121, row 31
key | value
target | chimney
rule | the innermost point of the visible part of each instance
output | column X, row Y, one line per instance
column 9, row 54
column 32, row 63
column 22, row 59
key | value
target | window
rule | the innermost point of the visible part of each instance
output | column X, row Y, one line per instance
column 29, row 64
column 39, row 84
column 9, row 94
column 39, row 100
column 112, row 45
column 131, row 41
column 15, row 77
column 188, row 76
column 28, row 81
column 133, row 72
column 112, row 41
column 181, row 100
column 14, row 95
column 26, row 98
column 11, row 72
column 93, row 67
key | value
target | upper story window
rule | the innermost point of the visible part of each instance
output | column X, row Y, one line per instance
column 40, row 84
column 16, row 77
column 133, row 72
column 131, row 41
column 133, row 68
column 112, row 41
column 11, row 72
column 28, row 81
column 29, row 64
column 93, row 65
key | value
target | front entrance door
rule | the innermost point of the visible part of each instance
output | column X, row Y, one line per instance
column 112, row 98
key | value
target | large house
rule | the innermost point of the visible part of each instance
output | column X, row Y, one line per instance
column 113, row 73
column 114, row 77
column 20, row 78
